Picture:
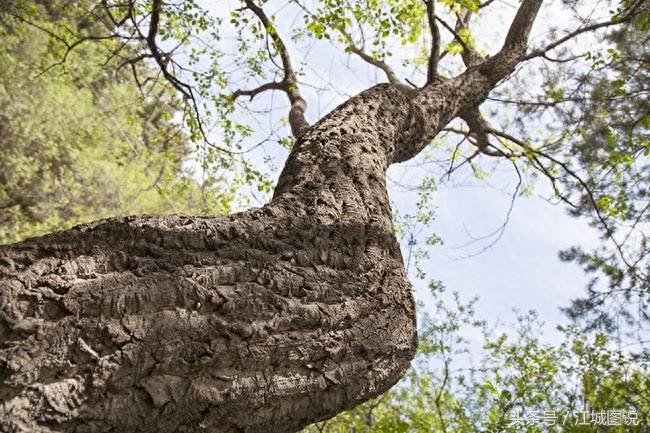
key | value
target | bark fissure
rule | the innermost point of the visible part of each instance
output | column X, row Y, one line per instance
column 225, row 322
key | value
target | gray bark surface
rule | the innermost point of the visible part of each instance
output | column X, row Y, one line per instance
column 262, row 321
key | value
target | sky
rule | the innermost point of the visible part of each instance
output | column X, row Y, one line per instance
column 519, row 270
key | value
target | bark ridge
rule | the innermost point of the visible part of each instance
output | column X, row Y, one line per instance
column 263, row 321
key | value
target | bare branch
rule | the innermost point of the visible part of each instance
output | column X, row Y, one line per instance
column 390, row 74
column 497, row 234
column 592, row 200
column 289, row 84
column 69, row 46
column 485, row 4
column 353, row 48
column 434, row 55
column 480, row 131
column 541, row 52
column 162, row 59
column 453, row 31
column 254, row 92
column 517, row 37
column 514, row 48
column 117, row 22
column 535, row 156
column 469, row 55
column 452, row 160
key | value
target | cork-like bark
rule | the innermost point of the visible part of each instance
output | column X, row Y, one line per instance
column 263, row 321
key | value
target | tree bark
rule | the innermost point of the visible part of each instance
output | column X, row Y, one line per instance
column 265, row 321
column 262, row 321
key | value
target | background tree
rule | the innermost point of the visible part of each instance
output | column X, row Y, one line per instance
column 594, row 152
column 100, row 130
column 611, row 132
column 78, row 142
column 515, row 383
column 273, row 318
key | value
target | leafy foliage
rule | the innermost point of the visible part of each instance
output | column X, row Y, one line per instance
column 608, row 137
column 79, row 140
column 590, row 107
column 515, row 383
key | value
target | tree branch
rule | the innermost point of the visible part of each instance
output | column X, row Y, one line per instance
column 69, row 46
column 354, row 48
column 117, row 23
column 480, row 131
column 471, row 87
column 256, row 91
column 592, row 200
column 541, row 52
column 289, row 84
column 517, row 37
column 535, row 155
column 162, row 59
column 514, row 47
column 469, row 55
column 390, row 74
column 453, row 31
column 485, row 4
column 434, row 55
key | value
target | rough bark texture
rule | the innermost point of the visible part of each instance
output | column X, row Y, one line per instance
column 263, row 321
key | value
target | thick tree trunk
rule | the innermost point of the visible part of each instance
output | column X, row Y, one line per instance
column 263, row 321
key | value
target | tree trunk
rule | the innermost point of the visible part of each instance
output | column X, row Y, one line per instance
column 263, row 321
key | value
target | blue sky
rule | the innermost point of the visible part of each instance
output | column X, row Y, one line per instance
column 519, row 270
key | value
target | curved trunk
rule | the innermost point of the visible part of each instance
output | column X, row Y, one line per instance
column 261, row 321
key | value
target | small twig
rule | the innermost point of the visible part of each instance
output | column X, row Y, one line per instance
column 536, row 154
column 502, row 228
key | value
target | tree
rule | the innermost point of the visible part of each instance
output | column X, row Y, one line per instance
column 515, row 383
column 595, row 108
column 613, row 129
column 269, row 319
column 69, row 132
